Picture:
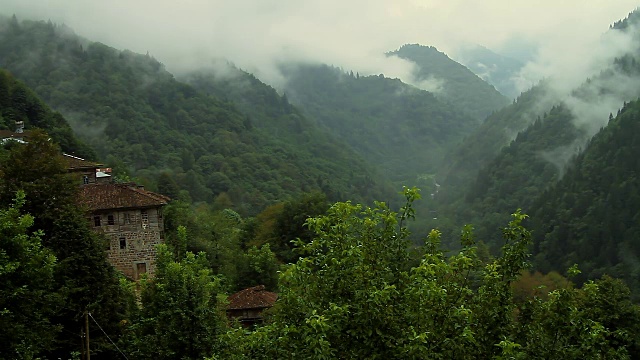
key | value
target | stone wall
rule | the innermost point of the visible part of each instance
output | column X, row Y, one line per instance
column 132, row 237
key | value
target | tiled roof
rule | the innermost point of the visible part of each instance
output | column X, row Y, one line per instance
column 119, row 196
column 252, row 298
column 74, row 162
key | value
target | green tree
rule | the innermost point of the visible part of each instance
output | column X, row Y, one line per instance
column 27, row 298
column 355, row 295
column 180, row 314
column 83, row 278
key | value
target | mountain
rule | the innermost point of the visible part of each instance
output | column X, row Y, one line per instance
column 591, row 217
column 405, row 131
column 463, row 163
column 523, row 149
column 18, row 103
column 496, row 69
column 520, row 172
column 137, row 115
column 451, row 81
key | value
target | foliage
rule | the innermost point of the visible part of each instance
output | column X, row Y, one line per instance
column 27, row 300
column 515, row 177
column 180, row 315
column 590, row 217
column 535, row 284
column 19, row 103
column 386, row 121
column 353, row 296
column 598, row 321
column 135, row 112
column 83, row 278
column 218, row 235
column 283, row 224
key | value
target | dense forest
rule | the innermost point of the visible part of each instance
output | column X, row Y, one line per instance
column 591, row 216
column 460, row 87
column 19, row 104
column 141, row 119
column 387, row 122
column 279, row 188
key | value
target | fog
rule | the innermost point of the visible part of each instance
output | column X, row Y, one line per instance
column 257, row 35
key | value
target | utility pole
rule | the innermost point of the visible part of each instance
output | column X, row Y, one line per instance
column 86, row 327
column 82, row 343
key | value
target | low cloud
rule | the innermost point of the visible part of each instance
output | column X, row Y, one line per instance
column 354, row 35
column 431, row 84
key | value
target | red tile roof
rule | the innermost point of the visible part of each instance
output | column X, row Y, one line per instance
column 119, row 196
column 252, row 298
column 74, row 162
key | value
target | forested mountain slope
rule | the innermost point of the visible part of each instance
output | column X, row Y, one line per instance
column 493, row 68
column 136, row 113
column 520, row 172
column 403, row 130
column 485, row 142
column 482, row 183
column 454, row 82
column 615, row 83
column 19, row 103
column 592, row 217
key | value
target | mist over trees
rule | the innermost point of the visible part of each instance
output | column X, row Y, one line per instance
column 296, row 189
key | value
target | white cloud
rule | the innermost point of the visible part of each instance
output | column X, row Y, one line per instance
column 255, row 34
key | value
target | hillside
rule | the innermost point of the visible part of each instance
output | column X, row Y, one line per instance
column 523, row 149
column 591, row 102
column 403, row 130
column 591, row 216
column 19, row 103
column 451, row 81
column 137, row 114
column 520, row 172
column 463, row 163
column 496, row 69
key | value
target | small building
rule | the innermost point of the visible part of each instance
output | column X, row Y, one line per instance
column 86, row 171
column 247, row 305
column 131, row 219
column 19, row 135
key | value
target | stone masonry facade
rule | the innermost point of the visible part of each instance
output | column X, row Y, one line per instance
column 132, row 236
column 131, row 220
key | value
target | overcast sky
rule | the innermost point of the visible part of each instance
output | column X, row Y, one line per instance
column 348, row 33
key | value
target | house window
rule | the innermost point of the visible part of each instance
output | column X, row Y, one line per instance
column 127, row 218
column 110, row 220
column 96, row 220
column 123, row 243
column 85, row 179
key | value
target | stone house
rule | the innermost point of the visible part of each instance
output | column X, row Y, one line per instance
column 247, row 305
column 131, row 220
column 129, row 216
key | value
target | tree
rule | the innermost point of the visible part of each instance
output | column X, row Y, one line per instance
column 355, row 295
column 27, row 299
column 180, row 315
column 83, row 278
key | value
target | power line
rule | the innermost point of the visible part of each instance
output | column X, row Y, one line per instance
column 105, row 334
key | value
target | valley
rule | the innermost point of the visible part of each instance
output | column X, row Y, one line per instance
column 371, row 205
